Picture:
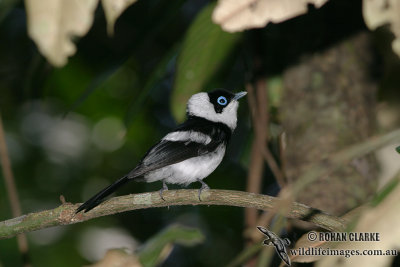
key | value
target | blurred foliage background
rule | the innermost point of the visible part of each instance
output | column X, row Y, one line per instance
column 73, row 130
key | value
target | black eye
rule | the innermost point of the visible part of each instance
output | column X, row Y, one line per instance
column 222, row 100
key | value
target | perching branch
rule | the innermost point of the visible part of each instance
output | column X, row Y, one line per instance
column 65, row 214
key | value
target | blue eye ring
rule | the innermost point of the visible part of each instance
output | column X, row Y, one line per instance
column 222, row 100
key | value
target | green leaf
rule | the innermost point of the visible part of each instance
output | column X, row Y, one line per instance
column 178, row 234
column 204, row 50
column 398, row 149
column 385, row 191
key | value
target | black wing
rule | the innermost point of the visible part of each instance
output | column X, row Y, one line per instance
column 170, row 152
column 166, row 153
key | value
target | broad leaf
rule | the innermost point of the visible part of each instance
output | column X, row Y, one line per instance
column 53, row 23
column 205, row 49
column 239, row 15
column 113, row 9
column 380, row 12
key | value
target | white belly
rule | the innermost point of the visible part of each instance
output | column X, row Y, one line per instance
column 190, row 170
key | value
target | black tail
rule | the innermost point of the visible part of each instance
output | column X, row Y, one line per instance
column 99, row 197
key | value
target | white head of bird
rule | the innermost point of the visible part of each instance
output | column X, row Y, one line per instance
column 216, row 106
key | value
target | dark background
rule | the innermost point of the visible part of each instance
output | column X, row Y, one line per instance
column 73, row 130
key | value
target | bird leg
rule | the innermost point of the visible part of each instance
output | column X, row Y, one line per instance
column 204, row 186
column 164, row 188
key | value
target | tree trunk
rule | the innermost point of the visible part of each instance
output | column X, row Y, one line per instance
column 329, row 104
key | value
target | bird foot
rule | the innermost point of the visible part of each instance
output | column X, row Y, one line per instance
column 164, row 188
column 204, row 186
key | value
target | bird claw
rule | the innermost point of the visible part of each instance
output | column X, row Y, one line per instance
column 164, row 188
column 204, row 186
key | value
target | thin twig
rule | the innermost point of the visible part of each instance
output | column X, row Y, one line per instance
column 8, row 175
column 278, row 174
column 256, row 166
column 12, row 191
column 65, row 214
column 262, row 125
column 266, row 153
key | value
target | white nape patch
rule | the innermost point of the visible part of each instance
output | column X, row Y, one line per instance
column 191, row 136
column 188, row 171
column 199, row 105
